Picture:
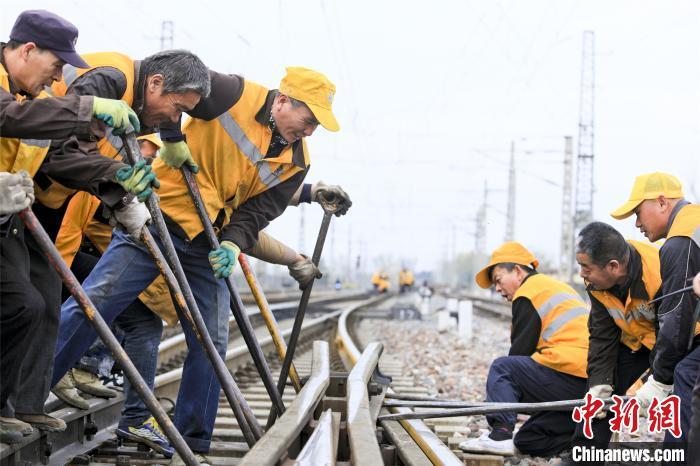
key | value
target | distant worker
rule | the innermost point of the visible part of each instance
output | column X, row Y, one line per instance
column 547, row 357
column 376, row 280
column 405, row 280
column 662, row 212
column 621, row 277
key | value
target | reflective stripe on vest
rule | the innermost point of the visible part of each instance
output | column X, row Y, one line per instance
column 563, row 341
column 234, row 131
column 21, row 154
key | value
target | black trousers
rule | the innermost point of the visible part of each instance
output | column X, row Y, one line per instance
column 22, row 310
column 630, row 366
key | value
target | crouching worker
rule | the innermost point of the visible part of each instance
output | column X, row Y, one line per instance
column 547, row 357
column 621, row 277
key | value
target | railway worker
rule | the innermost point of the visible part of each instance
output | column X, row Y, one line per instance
column 405, row 280
column 693, row 437
column 547, row 357
column 40, row 44
column 621, row 277
column 243, row 191
column 662, row 212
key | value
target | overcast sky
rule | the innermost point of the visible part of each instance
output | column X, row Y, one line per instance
column 431, row 94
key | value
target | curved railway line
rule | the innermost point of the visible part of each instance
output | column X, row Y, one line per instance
column 333, row 420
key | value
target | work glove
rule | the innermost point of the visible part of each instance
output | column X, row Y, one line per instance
column 224, row 259
column 115, row 113
column 133, row 218
column 331, row 197
column 16, row 192
column 304, row 271
column 174, row 154
column 137, row 180
column 696, row 284
column 601, row 391
column 650, row 390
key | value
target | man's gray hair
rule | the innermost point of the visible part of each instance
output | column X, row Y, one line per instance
column 182, row 71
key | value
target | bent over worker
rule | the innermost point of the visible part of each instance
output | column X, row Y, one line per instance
column 40, row 44
column 662, row 212
column 547, row 357
column 242, row 190
column 621, row 278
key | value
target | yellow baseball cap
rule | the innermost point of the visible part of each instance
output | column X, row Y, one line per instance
column 315, row 90
column 511, row 251
column 153, row 137
column 649, row 186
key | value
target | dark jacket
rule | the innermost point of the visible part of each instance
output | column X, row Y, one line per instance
column 680, row 260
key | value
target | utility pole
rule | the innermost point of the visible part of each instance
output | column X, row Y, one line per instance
column 566, row 253
column 510, row 210
column 302, row 228
column 584, row 171
column 480, row 220
column 167, row 35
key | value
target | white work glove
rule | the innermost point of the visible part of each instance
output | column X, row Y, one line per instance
column 133, row 218
column 650, row 390
column 601, row 391
column 696, row 284
column 331, row 197
column 304, row 271
column 16, row 192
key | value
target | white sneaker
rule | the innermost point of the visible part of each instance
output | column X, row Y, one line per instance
column 484, row 444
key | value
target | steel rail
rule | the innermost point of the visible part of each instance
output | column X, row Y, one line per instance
column 274, row 444
column 436, row 451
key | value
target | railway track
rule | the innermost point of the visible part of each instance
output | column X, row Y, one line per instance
column 332, row 420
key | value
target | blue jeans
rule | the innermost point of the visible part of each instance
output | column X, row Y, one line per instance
column 684, row 377
column 520, row 379
column 142, row 331
column 126, row 269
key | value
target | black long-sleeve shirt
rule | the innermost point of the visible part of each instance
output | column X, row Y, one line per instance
column 680, row 260
column 604, row 339
column 257, row 212
column 526, row 327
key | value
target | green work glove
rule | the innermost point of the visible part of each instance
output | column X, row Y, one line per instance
column 224, row 259
column 137, row 180
column 174, row 154
column 115, row 113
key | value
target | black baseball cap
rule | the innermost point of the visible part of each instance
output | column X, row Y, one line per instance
column 51, row 32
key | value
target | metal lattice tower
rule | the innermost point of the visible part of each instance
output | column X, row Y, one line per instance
column 167, row 35
column 510, row 210
column 566, row 253
column 584, row 170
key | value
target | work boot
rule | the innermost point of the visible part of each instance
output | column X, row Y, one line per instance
column 9, row 435
column 148, row 433
column 43, row 422
column 201, row 459
column 89, row 383
column 485, row 444
column 17, row 425
column 66, row 391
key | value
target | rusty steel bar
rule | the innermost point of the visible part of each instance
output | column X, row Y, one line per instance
column 564, row 405
column 299, row 318
column 268, row 317
column 103, row 331
column 244, row 414
column 237, row 307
